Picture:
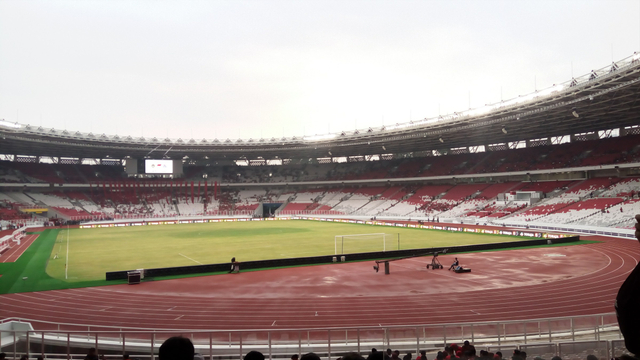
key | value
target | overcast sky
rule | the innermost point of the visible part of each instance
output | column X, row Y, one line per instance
column 252, row 69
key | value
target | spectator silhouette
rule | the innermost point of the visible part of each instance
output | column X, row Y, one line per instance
column 627, row 308
column 352, row 356
column 387, row 354
column 466, row 347
column 310, row 356
column 176, row 348
column 254, row 355
column 92, row 354
column 375, row 355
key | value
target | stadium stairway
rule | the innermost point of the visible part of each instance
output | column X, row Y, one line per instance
column 284, row 205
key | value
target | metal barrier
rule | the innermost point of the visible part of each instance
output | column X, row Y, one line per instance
column 568, row 337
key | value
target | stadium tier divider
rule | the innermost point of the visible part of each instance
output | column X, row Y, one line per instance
column 327, row 259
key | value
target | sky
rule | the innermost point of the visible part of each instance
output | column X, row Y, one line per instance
column 271, row 68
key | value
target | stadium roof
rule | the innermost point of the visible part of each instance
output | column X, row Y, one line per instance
column 606, row 98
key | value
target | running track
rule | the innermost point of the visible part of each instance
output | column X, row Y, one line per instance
column 506, row 285
column 15, row 252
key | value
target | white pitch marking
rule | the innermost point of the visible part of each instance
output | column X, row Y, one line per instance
column 171, row 308
column 196, row 261
column 66, row 260
column 274, row 323
column 105, row 309
column 178, row 318
column 475, row 312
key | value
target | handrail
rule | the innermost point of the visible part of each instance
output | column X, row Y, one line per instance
column 370, row 327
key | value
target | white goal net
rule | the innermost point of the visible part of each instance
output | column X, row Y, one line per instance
column 359, row 243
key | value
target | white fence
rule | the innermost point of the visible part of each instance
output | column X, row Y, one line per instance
column 569, row 337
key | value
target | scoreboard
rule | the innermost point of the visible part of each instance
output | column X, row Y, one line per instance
column 154, row 167
column 158, row 166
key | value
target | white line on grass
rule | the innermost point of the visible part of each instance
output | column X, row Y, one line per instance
column 274, row 323
column 196, row 261
column 66, row 260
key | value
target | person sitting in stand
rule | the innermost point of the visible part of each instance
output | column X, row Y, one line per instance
column 454, row 265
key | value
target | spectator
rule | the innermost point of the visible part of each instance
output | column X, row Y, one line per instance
column 592, row 357
column 395, row 355
column 92, row 354
column 308, row 356
column 3, row 356
column 407, row 357
column 177, row 348
column 498, row 355
column 387, row 354
column 24, row 357
column 466, row 346
column 352, row 356
column 126, row 357
column 556, row 358
column 626, row 306
column 375, row 355
column 422, row 356
column 257, row 355
column 294, row 357
column 516, row 355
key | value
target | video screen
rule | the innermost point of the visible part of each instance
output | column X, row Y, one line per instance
column 158, row 166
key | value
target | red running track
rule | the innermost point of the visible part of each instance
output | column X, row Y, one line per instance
column 505, row 285
column 13, row 254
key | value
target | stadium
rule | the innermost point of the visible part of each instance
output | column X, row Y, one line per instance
column 509, row 225
column 564, row 160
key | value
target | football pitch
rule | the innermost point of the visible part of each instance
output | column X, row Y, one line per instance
column 87, row 254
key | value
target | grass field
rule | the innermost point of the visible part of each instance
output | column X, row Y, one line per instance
column 90, row 253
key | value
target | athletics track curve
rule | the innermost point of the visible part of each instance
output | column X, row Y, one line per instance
column 505, row 285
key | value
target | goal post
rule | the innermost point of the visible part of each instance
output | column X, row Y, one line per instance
column 356, row 243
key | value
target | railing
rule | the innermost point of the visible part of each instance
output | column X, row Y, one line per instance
column 209, row 214
column 579, row 229
column 309, row 212
column 598, row 334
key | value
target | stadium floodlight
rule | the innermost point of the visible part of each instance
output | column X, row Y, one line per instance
column 384, row 147
column 441, row 140
column 5, row 123
column 575, row 113
column 504, row 130
column 330, row 154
